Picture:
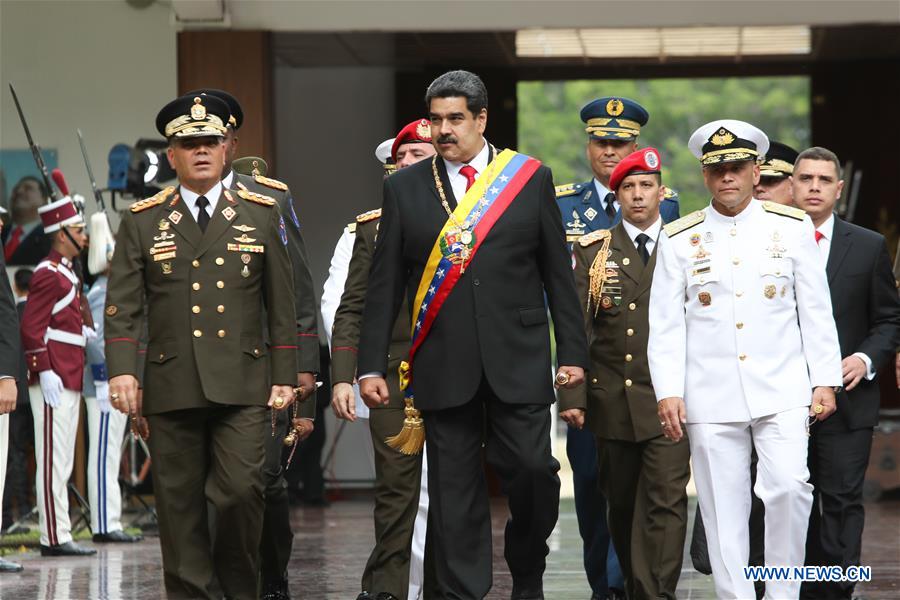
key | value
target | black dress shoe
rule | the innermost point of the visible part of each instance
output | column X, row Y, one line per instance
column 275, row 590
column 616, row 594
column 386, row 596
column 9, row 567
column 67, row 549
column 116, row 537
column 527, row 592
column 365, row 596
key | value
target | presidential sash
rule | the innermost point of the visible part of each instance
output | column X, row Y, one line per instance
column 454, row 247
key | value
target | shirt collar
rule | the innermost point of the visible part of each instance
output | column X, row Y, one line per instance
column 752, row 208
column 827, row 228
column 212, row 195
column 228, row 180
column 480, row 162
column 602, row 190
column 652, row 231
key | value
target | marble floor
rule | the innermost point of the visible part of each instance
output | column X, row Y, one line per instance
column 331, row 546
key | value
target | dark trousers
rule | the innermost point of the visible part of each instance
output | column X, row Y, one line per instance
column 516, row 441
column 397, row 484
column 838, row 459
column 215, row 454
column 600, row 562
column 644, row 483
column 277, row 537
column 17, row 493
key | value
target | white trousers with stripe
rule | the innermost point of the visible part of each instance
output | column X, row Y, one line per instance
column 4, row 453
column 106, row 431
column 720, row 454
column 54, row 449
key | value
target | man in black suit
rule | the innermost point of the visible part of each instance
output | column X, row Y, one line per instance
column 481, row 375
column 24, row 240
column 867, row 314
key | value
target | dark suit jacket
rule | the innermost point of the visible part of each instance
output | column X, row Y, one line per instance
column 494, row 323
column 867, row 313
column 22, row 382
column 10, row 350
column 33, row 248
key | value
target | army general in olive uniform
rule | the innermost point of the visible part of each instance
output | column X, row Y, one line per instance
column 208, row 264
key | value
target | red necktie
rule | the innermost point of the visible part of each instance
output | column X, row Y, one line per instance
column 819, row 236
column 12, row 243
column 469, row 172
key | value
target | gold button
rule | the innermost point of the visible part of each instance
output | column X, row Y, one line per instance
column 220, row 308
column 220, row 261
column 739, row 325
column 778, row 272
column 197, row 333
column 221, row 333
column 256, row 352
column 195, row 286
column 195, row 263
column 632, row 306
column 594, row 380
column 733, row 232
column 742, row 356
column 195, row 309
column 628, row 358
column 626, row 261
column 627, row 383
column 703, row 280
column 629, row 332
column 735, row 261
column 220, row 284
column 162, row 356
column 739, row 293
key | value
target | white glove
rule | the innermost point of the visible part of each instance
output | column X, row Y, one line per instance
column 88, row 333
column 102, row 389
column 51, row 387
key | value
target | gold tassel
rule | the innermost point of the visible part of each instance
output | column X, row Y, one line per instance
column 597, row 275
column 411, row 438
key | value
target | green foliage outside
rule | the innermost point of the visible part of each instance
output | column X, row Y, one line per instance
column 551, row 130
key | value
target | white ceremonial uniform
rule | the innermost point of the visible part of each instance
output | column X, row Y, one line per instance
column 106, row 427
column 741, row 328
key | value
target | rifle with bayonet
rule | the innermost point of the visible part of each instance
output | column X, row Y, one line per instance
column 98, row 195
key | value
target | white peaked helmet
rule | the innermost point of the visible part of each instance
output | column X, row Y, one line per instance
column 102, row 244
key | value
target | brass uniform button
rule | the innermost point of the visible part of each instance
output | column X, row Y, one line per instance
column 628, row 358
column 739, row 293
column 221, row 333
column 627, row 383
column 162, row 356
column 220, row 284
column 195, row 263
column 632, row 306
column 733, row 232
column 220, row 261
column 629, row 332
column 256, row 352
column 594, row 380
column 735, row 261
column 195, row 286
column 742, row 356
column 197, row 333
column 739, row 325
column 220, row 309
column 195, row 309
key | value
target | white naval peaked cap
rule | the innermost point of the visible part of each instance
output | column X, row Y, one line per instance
column 383, row 151
column 102, row 245
column 728, row 140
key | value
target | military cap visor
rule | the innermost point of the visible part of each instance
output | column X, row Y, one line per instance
column 779, row 161
column 193, row 116
column 728, row 140
column 614, row 118
column 236, row 116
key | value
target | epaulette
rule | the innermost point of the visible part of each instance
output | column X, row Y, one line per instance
column 685, row 222
column 154, row 200
column 568, row 189
column 370, row 215
column 594, row 237
column 254, row 197
column 784, row 211
column 670, row 193
column 269, row 182
column 351, row 227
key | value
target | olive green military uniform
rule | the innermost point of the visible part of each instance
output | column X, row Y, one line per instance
column 397, row 475
column 208, row 372
column 642, row 474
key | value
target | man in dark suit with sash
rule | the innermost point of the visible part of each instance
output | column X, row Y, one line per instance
column 474, row 239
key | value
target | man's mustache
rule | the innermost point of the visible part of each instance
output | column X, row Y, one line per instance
column 446, row 139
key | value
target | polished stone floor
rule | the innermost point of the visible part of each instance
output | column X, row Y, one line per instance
column 331, row 546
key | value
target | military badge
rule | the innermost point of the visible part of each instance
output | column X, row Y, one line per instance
column 769, row 291
column 456, row 245
column 282, row 232
column 245, row 258
column 244, row 228
column 245, row 272
column 294, row 218
column 590, row 213
column 175, row 217
column 701, row 253
column 614, row 107
column 166, row 268
column 253, row 248
column 722, row 137
column 606, row 302
column 708, row 237
column 229, row 213
column 423, row 129
column 244, row 239
column 163, row 236
column 695, row 239
column 651, row 159
column 705, row 298
column 163, row 225
column 198, row 111
column 783, row 290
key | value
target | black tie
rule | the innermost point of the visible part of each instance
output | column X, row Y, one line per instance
column 642, row 240
column 610, row 207
column 202, row 215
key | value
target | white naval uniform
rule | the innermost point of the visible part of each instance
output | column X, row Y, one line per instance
column 741, row 327
column 106, row 430
column 331, row 299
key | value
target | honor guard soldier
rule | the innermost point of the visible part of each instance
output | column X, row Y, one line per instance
column 642, row 474
column 751, row 268
column 106, row 427
column 277, row 538
column 53, row 337
column 775, row 174
column 394, row 570
column 211, row 267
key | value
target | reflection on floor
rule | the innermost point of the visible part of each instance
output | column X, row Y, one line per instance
column 331, row 546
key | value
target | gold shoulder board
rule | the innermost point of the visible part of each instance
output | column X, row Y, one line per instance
column 594, row 237
column 567, row 189
column 351, row 227
column 269, row 182
column 369, row 216
column 152, row 201
column 254, row 197
column 684, row 223
column 784, row 211
column 670, row 193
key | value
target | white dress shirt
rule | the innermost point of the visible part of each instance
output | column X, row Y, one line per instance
column 458, row 181
column 228, row 180
column 190, row 199
column 652, row 232
column 602, row 191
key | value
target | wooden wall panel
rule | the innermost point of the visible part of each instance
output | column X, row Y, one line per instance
column 239, row 62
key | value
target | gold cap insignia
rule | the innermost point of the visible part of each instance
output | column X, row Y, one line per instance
column 722, row 137
column 198, row 111
column 423, row 129
column 614, row 107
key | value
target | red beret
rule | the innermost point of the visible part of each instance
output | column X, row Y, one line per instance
column 417, row 131
column 642, row 161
